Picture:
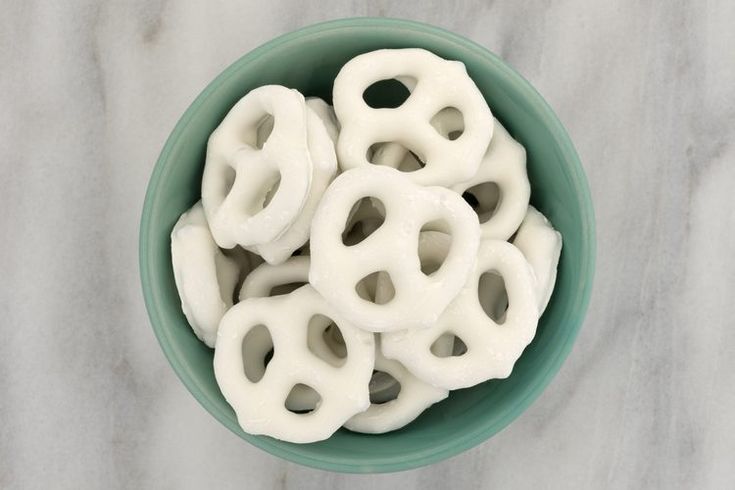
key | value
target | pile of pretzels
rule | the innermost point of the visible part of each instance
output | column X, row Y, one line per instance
column 350, row 265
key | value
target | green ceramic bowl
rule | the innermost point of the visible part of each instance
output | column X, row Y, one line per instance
column 308, row 60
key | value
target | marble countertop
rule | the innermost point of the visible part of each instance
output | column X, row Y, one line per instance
column 90, row 90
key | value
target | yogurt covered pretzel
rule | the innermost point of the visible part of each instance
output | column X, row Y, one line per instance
column 492, row 348
column 260, row 402
column 541, row 245
column 440, row 84
column 251, row 195
column 204, row 276
column 266, row 281
column 323, row 337
column 336, row 269
column 324, row 167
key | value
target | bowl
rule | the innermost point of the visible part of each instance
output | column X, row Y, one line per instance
column 308, row 60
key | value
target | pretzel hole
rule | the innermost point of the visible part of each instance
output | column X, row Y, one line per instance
column 332, row 336
column 442, row 346
column 246, row 262
column 271, row 191
column 432, row 257
column 302, row 399
column 449, row 123
column 325, row 341
column 221, row 266
column 228, row 180
column 390, row 93
column 366, row 216
column 268, row 357
column 261, row 189
column 440, row 225
column 376, row 288
column 471, row 200
column 484, row 198
column 383, row 388
column 263, row 131
column 459, row 348
column 411, row 162
column 395, row 155
column 281, row 289
column 448, row 345
column 493, row 296
column 257, row 351
column 303, row 250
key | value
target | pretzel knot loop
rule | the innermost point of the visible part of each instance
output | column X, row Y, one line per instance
column 437, row 86
column 259, row 389
column 417, row 298
column 258, row 171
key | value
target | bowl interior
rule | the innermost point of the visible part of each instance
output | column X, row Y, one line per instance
column 308, row 60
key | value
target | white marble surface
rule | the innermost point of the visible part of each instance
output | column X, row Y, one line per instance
column 90, row 89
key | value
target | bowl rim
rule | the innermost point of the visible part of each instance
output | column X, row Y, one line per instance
column 438, row 452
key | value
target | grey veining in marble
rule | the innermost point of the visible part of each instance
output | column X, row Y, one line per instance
column 88, row 93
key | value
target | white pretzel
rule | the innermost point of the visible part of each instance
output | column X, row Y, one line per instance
column 239, row 178
column 324, row 167
column 363, row 220
column 260, row 405
column 541, row 244
column 419, row 299
column 492, row 348
column 414, row 397
column 326, row 114
column 263, row 282
column 440, row 84
column 204, row 276
column 504, row 164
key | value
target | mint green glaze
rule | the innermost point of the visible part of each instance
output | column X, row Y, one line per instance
column 308, row 60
